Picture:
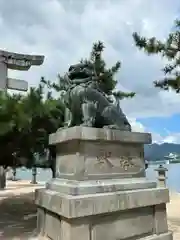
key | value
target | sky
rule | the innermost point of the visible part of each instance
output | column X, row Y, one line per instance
column 64, row 30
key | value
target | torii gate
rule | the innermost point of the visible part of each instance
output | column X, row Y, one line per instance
column 16, row 61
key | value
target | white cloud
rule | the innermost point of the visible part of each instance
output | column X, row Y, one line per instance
column 139, row 127
column 171, row 137
column 64, row 31
column 174, row 138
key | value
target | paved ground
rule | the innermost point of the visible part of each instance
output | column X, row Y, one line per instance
column 18, row 213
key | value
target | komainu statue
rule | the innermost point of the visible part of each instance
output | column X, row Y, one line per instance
column 87, row 105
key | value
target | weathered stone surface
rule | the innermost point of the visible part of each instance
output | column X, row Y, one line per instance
column 136, row 223
column 100, row 160
column 101, row 186
column 165, row 236
column 3, row 75
column 75, row 231
column 18, row 61
column 41, row 221
column 53, row 226
column 92, row 204
column 17, row 84
column 15, row 61
column 160, row 218
column 98, row 134
column 94, row 196
column 86, row 153
column 124, row 225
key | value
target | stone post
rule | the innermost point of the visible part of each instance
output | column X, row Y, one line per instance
column 100, row 190
column 2, row 178
column 14, row 174
column 34, row 174
column 161, row 170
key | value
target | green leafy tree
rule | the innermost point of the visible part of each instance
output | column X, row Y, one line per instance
column 168, row 49
column 106, row 76
column 12, row 121
column 25, row 125
column 45, row 115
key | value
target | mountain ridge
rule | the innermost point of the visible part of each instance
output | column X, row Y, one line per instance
column 154, row 151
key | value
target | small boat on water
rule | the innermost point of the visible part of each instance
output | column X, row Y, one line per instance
column 172, row 157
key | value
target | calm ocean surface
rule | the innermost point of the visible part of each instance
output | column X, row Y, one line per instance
column 173, row 175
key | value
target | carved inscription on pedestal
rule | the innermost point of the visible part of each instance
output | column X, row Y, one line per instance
column 114, row 159
column 126, row 163
column 105, row 159
column 101, row 160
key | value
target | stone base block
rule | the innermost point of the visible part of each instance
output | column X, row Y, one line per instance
column 100, row 191
column 122, row 215
column 75, row 187
column 84, row 153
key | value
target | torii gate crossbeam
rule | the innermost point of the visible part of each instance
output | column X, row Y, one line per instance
column 16, row 61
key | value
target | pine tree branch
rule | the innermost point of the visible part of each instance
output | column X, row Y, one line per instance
column 119, row 95
column 150, row 46
column 169, row 83
column 169, row 49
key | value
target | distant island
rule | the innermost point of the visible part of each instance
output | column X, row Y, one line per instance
column 165, row 151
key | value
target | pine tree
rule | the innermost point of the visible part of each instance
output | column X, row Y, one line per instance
column 45, row 115
column 105, row 75
column 25, row 125
column 168, row 49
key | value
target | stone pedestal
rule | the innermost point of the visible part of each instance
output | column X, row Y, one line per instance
column 100, row 190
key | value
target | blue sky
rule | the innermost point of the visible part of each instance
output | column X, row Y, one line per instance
column 163, row 125
column 64, row 30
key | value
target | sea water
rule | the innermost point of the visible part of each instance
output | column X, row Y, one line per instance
column 173, row 175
